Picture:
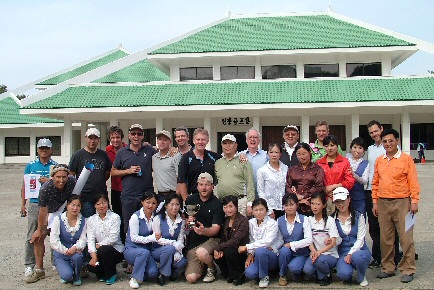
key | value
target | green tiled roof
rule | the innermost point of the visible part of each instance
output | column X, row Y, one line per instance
column 140, row 72
column 10, row 114
column 280, row 33
column 85, row 68
column 232, row 93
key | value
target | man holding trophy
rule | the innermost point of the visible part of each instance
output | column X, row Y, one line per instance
column 206, row 216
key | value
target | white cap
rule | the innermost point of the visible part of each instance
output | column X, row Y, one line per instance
column 44, row 143
column 134, row 126
column 229, row 137
column 290, row 127
column 205, row 176
column 340, row 193
column 93, row 131
column 164, row 133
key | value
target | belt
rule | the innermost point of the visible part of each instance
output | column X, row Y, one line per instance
column 389, row 198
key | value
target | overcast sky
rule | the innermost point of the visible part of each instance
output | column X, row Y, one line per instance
column 38, row 38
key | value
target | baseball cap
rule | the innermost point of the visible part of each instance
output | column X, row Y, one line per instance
column 136, row 126
column 44, row 142
column 290, row 127
column 205, row 176
column 93, row 131
column 340, row 193
column 164, row 133
column 229, row 137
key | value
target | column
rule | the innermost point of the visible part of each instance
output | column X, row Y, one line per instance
column 33, row 152
column 257, row 125
column 258, row 69
column 114, row 122
column 216, row 70
column 351, row 129
column 158, row 126
column 67, row 140
column 2, row 150
column 342, row 66
column 405, row 131
column 397, row 122
column 209, row 125
column 386, row 65
column 125, row 126
column 300, row 69
column 103, row 141
column 84, row 126
column 304, row 129
column 174, row 72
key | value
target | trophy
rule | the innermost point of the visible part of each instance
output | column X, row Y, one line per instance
column 191, row 210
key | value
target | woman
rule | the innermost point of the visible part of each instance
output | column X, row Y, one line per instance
column 68, row 239
column 297, row 236
column 264, row 244
column 140, row 239
column 337, row 170
column 304, row 178
column 103, row 241
column 325, row 236
column 360, row 169
column 271, row 181
column 353, row 252
column 168, row 249
column 234, row 233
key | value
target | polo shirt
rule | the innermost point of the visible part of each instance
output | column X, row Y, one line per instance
column 53, row 198
column 37, row 167
column 116, row 182
column 190, row 167
column 166, row 171
column 374, row 152
column 210, row 213
column 134, row 185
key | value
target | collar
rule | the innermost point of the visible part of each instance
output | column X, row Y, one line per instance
column 128, row 147
column 178, row 218
column 50, row 161
column 161, row 157
column 288, row 146
column 272, row 169
column 396, row 156
column 297, row 218
column 258, row 152
column 143, row 216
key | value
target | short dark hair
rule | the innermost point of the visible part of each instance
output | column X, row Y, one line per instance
column 390, row 131
column 271, row 145
column 358, row 141
column 182, row 128
column 288, row 197
column 305, row 146
column 102, row 195
column 374, row 122
column 148, row 195
column 74, row 197
column 115, row 129
column 330, row 139
column 230, row 198
column 260, row 201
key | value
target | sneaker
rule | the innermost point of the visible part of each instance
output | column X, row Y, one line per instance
column 263, row 283
column 283, row 281
column 134, row 284
column 383, row 275
column 161, row 279
column 374, row 264
column 28, row 271
column 406, row 278
column 111, row 280
column 84, row 273
column 364, row 283
column 101, row 279
column 77, row 283
column 36, row 275
column 53, row 268
column 210, row 275
column 63, row 281
column 326, row 281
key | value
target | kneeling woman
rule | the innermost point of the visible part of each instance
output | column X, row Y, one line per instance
column 297, row 237
column 168, row 249
column 68, row 239
column 140, row 239
column 264, row 244
column 353, row 252
column 103, row 241
column 233, row 234
column 323, row 251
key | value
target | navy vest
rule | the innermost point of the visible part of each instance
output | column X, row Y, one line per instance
column 358, row 190
column 349, row 240
column 66, row 238
column 165, row 231
column 143, row 231
column 297, row 234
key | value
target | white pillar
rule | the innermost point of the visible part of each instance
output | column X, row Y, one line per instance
column 257, row 125
column 386, row 65
column 114, row 122
column 159, row 125
column 210, row 125
column 258, row 69
column 304, row 129
column 103, row 141
column 216, row 70
column 405, row 131
column 83, row 129
column 32, row 145
column 2, row 150
column 174, row 72
column 342, row 66
column 125, row 125
column 355, row 122
column 300, row 69
column 67, row 140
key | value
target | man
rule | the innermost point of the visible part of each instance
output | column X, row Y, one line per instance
column 395, row 194
column 195, row 162
column 203, row 238
column 96, row 183
column 165, row 167
column 41, row 165
column 134, row 164
column 116, row 135
column 52, row 197
column 421, row 151
column 291, row 135
column 181, row 137
column 257, row 157
column 233, row 176
column 321, row 131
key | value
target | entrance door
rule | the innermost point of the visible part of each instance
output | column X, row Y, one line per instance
column 241, row 140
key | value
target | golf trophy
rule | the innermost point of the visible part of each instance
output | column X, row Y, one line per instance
column 191, row 210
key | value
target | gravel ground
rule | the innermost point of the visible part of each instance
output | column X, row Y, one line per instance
column 14, row 228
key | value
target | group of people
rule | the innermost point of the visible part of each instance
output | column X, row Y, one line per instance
column 297, row 207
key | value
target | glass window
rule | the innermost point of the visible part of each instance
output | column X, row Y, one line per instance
column 421, row 133
column 57, row 144
column 363, row 69
column 321, row 70
column 237, row 72
column 17, row 146
column 196, row 73
column 278, row 71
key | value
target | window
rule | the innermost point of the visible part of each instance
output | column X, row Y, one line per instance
column 237, row 72
column 57, row 144
column 17, row 146
column 278, row 71
column 196, row 73
column 363, row 69
column 149, row 135
column 422, row 133
column 321, row 70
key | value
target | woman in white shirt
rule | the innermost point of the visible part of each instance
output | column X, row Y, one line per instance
column 264, row 244
column 353, row 252
column 272, row 181
column 68, row 239
column 103, row 241
column 168, row 249
column 140, row 240
column 325, row 236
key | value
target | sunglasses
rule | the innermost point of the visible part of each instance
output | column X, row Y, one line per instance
column 136, row 133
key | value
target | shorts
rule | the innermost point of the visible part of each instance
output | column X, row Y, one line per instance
column 193, row 263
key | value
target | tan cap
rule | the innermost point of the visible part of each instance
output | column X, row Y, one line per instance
column 164, row 133
column 205, row 176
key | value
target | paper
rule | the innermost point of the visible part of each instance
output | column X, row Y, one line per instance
column 31, row 185
column 52, row 215
column 84, row 175
column 410, row 219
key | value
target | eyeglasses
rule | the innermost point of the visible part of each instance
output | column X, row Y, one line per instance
column 136, row 133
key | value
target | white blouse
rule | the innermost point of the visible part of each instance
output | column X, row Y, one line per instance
column 173, row 225
column 354, row 165
column 321, row 232
column 134, row 227
column 271, row 184
column 104, row 232
column 55, row 242
column 361, row 232
column 264, row 235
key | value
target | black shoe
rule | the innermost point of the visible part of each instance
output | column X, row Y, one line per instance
column 326, row 281
column 161, row 279
column 173, row 279
column 375, row 264
column 239, row 281
column 406, row 278
column 229, row 280
column 383, row 275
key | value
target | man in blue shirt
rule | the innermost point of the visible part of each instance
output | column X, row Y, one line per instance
column 41, row 165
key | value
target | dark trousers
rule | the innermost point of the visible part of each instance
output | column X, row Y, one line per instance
column 232, row 263
column 374, row 231
column 108, row 257
column 117, row 209
column 129, row 206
